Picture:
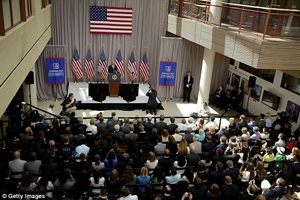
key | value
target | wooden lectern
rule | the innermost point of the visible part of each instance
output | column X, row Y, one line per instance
column 114, row 84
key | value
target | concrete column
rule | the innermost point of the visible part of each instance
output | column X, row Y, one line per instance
column 30, row 92
column 206, row 77
column 215, row 12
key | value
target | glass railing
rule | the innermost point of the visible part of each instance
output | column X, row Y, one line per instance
column 260, row 21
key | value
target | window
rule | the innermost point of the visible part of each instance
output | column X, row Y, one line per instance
column 290, row 83
column 266, row 74
column 232, row 61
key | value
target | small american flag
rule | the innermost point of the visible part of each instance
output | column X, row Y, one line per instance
column 89, row 65
column 103, row 65
column 131, row 67
column 144, row 68
column 119, row 64
column 76, row 65
column 110, row 20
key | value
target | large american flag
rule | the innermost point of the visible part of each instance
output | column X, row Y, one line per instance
column 120, row 64
column 110, row 20
column 76, row 65
column 102, row 65
column 144, row 68
column 131, row 67
column 89, row 65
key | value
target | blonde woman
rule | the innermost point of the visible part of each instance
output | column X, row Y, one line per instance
column 245, row 137
column 151, row 162
column 91, row 126
column 268, row 120
column 143, row 179
column 183, row 148
column 232, row 124
column 52, row 150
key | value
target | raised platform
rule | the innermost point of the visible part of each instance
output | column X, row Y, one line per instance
column 81, row 93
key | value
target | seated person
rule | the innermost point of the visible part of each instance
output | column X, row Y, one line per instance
column 219, row 96
column 234, row 101
column 277, row 191
column 69, row 104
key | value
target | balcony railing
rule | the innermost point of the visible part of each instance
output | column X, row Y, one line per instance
column 259, row 21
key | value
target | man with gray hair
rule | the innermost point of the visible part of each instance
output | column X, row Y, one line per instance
column 117, row 133
column 177, row 135
column 197, row 145
column 111, row 124
column 182, row 126
column 191, row 124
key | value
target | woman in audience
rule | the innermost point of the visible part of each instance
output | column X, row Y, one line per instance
column 245, row 137
column 55, row 128
column 110, row 161
column 97, row 180
column 200, row 135
column 153, row 136
column 120, row 145
column 265, row 134
column 143, row 179
column 211, row 131
column 206, row 160
column 132, row 146
column 52, row 150
column 128, row 177
column 294, row 153
column 158, row 177
column 140, row 159
column 183, row 148
column 268, row 120
column 280, row 158
column 91, row 126
column 142, row 133
column 26, row 184
column 268, row 144
column 180, row 163
column 165, row 135
column 172, row 145
column 114, row 184
column 256, row 148
column 232, row 124
column 260, row 173
column 97, row 164
column 214, row 193
column 125, row 194
column 201, row 172
column 151, row 162
column 201, row 124
column 289, row 145
column 247, row 173
column 82, row 183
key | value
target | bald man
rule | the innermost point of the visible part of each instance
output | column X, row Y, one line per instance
column 16, row 165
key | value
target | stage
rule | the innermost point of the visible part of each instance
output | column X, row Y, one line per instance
column 81, row 93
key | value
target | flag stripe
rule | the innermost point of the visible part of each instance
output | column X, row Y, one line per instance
column 76, row 65
column 103, row 62
column 89, row 65
column 131, row 67
column 104, row 19
column 144, row 68
column 119, row 63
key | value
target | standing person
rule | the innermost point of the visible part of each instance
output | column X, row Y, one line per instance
column 69, row 104
column 152, row 94
column 187, row 88
column 112, row 68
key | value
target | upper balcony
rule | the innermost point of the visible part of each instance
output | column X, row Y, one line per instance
column 262, row 37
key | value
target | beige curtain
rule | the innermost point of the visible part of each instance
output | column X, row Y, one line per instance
column 70, row 27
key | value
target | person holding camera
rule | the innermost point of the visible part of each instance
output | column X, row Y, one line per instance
column 69, row 104
column 152, row 103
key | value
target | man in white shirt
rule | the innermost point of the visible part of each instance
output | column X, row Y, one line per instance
column 204, row 110
column 177, row 135
column 183, row 125
column 192, row 124
column 81, row 149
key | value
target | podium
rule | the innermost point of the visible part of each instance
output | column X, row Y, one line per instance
column 114, row 84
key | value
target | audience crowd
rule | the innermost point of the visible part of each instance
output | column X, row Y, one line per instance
column 151, row 159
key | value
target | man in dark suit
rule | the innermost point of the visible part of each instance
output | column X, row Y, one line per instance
column 112, row 68
column 101, row 126
column 152, row 94
column 65, row 164
column 192, row 158
column 219, row 157
column 218, row 175
column 229, row 190
column 160, row 125
column 232, row 171
column 208, row 146
column 160, row 147
column 41, row 125
column 172, row 127
column 276, row 191
column 199, row 189
column 166, row 162
column 148, row 125
column 111, row 124
column 187, row 86
column 117, row 133
column 127, row 136
column 147, row 146
column 261, row 122
column 80, row 124
column 66, row 124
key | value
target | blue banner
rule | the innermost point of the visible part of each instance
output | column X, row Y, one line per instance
column 55, row 70
column 167, row 73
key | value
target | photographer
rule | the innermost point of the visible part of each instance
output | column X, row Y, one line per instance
column 69, row 104
column 250, row 192
column 187, row 195
column 152, row 94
